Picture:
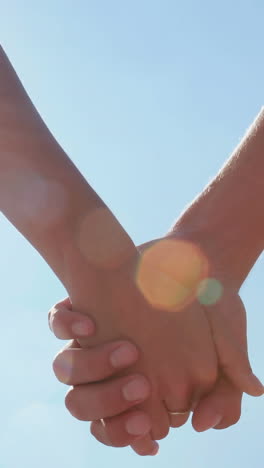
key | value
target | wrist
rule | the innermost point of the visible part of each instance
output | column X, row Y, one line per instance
column 226, row 220
column 95, row 242
column 225, row 237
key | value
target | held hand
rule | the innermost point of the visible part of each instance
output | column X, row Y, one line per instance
column 84, row 368
column 157, row 294
column 76, row 366
column 221, row 407
column 179, row 337
column 227, row 317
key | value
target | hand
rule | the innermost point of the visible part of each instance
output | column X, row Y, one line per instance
column 178, row 336
column 77, row 366
column 91, row 365
column 84, row 368
column 230, row 404
column 222, row 406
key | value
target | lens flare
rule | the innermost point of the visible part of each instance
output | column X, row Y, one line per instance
column 209, row 291
column 32, row 198
column 169, row 273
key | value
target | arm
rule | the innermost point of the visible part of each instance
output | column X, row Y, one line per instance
column 226, row 221
column 47, row 199
column 43, row 194
column 49, row 202
column 74, row 238
column 227, row 218
column 209, row 222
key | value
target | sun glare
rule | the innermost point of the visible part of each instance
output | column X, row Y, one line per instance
column 170, row 272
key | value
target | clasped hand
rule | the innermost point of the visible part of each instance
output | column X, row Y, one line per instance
column 182, row 354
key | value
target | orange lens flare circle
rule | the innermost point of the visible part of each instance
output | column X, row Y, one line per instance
column 169, row 273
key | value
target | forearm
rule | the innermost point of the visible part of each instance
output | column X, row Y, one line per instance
column 41, row 191
column 227, row 217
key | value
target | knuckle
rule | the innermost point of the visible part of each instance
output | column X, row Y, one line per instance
column 55, row 318
column 71, row 403
column 52, row 314
column 56, row 366
column 62, row 366
column 210, row 378
column 57, row 306
column 59, row 326
column 53, row 310
column 246, row 366
column 207, row 378
column 242, row 363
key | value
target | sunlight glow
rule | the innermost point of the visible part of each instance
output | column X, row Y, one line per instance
column 169, row 273
column 28, row 198
column 209, row 291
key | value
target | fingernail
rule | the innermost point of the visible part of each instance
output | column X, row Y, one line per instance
column 136, row 389
column 155, row 450
column 138, row 425
column 123, row 356
column 85, row 328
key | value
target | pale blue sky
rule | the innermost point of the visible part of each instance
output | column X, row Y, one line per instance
column 148, row 97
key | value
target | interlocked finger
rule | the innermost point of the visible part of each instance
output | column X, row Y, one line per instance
column 101, row 400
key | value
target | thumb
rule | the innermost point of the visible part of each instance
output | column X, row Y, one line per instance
column 228, row 322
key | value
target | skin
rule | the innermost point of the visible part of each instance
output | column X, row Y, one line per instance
column 96, row 261
column 182, row 339
column 231, row 257
column 98, row 264
column 220, row 408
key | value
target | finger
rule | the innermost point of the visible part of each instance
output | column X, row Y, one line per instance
column 66, row 324
column 97, row 429
column 220, row 409
column 179, row 419
column 102, row 431
column 145, row 446
column 232, row 353
column 180, row 402
column 75, row 366
column 235, row 364
column 121, row 430
column 130, row 428
column 106, row 399
column 154, row 406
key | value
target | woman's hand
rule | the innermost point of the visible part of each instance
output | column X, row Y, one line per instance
column 96, row 394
